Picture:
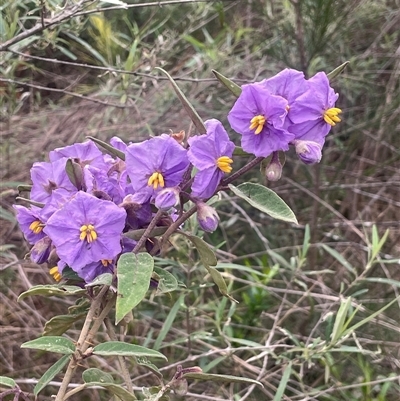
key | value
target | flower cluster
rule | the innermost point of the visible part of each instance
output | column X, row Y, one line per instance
column 83, row 203
column 286, row 110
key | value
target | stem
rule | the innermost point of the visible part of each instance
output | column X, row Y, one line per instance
column 82, row 343
column 148, row 231
column 241, row 171
column 121, row 359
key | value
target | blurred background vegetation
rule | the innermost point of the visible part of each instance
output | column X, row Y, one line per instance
column 93, row 74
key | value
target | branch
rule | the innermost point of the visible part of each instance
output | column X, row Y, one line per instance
column 65, row 92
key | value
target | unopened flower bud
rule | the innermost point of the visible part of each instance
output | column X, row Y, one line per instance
column 180, row 386
column 207, row 217
column 273, row 172
column 167, row 198
column 41, row 250
column 309, row 152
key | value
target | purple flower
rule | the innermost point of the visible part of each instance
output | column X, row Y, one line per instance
column 152, row 165
column 314, row 113
column 211, row 154
column 167, row 198
column 30, row 222
column 289, row 84
column 86, row 230
column 85, row 153
column 48, row 177
column 92, row 270
column 259, row 117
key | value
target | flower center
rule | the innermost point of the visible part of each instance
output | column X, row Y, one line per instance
column 156, row 180
column 331, row 116
column 257, row 123
column 36, row 226
column 224, row 164
column 106, row 262
column 87, row 232
column 54, row 272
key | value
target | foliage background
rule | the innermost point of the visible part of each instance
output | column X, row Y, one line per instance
column 288, row 291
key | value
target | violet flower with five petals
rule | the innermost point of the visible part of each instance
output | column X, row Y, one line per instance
column 211, row 154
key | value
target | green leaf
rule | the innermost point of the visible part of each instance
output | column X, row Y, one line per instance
column 96, row 375
column 197, row 121
column 74, row 173
column 60, row 345
column 125, row 349
column 108, row 147
column 283, row 383
column 60, row 324
column 31, row 202
column 52, row 290
column 264, row 199
column 50, row 374
column 382, row 280
column 134, row 275
column 168, row 321
column 220, row 378
column 338, row 70
column 339, row 258
column 103, row 279
column 115, row 389
column 7, row 382
column 207, row 256
column 166, row 281
column 340, row 319
column 24, row 187
column 219, row 280
column 143, row 361
column 230, row 85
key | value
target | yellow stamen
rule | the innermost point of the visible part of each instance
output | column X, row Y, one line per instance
column 224, row 164
column 36, row 226
column 257, row 123
column 88, row 233
column 106, row 262
column 156, row 180
column 331, row 116
column 54, row 272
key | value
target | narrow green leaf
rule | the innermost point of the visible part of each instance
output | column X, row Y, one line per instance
column 168, row 322
column 60, row 345
column 60, row 324
column 219, row 280
column 240, row 152
column 166, row 281
column 74, row 173
column 137, row 234
column 283, row 383
column 264, row 199
column 50, row 374
column 207, row 256
column 370, row 317
column 338, row 70
column 96, row 375
column 230, row 85
column 340, row 319
column 134, row 275
column 103, row 279
column 339, row 258
column 220, row 378
column 7, row 382
column 31, row 202
column 24, row 187
column 125, row 349
column 115, row 389
column 194, row 116
column 108, row 147
column 143, row 361
column 383, row 280
column 52, row 290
